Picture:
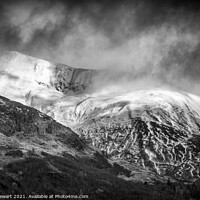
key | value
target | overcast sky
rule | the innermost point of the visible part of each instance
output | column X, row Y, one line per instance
column 152, row 39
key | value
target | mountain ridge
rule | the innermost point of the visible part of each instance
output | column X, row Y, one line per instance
column 32, row 76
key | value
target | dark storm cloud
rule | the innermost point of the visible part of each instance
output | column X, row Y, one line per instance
column 155, row 41
column 106, row 16
column 8, row 34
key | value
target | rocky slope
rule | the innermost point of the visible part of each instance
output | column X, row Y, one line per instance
column 158, row 129
column 27, row 129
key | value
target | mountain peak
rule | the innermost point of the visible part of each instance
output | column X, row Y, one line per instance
column 37, row 78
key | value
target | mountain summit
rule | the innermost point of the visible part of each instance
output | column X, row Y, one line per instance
column 26, row 79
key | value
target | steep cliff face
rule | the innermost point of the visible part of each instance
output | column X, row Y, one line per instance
column 71, row 79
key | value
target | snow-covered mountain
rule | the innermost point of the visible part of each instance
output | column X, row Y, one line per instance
column 34, row 81
column 157, row 130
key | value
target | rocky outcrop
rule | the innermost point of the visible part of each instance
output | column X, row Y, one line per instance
column 71, row 79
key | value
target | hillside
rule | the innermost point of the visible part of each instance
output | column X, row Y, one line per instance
column 40, row 156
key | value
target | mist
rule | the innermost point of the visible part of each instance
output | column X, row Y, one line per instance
column 139, row 44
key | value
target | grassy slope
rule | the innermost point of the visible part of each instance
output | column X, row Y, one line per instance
column 70, row 175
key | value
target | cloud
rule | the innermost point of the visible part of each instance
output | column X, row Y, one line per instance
column 29, row 18
column 153, row 41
